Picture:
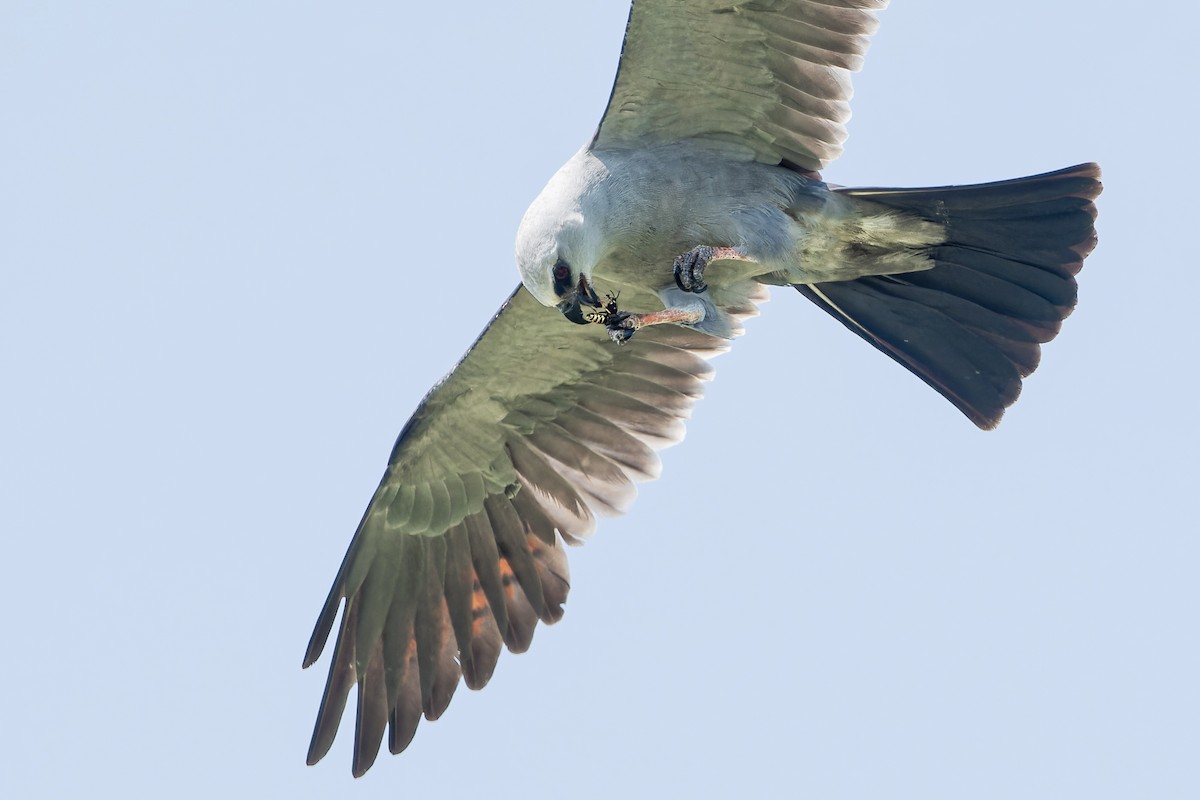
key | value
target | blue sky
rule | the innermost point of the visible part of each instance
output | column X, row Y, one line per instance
column 241, row 240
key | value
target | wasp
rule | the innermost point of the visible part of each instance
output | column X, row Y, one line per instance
column 600, row 316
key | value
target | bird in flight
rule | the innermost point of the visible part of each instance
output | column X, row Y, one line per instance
column 639, row 261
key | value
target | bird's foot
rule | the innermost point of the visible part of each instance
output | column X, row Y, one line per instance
column 690, row 266
column 623, row 324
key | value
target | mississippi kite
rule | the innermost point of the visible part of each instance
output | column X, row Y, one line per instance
column 699, row 190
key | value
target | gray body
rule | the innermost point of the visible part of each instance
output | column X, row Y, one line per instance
column 620, row 216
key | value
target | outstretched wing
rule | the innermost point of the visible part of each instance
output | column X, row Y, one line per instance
column 768, row 80
column 541, row 425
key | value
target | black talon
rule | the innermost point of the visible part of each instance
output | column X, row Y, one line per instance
column 616, row 332
column 689, row 269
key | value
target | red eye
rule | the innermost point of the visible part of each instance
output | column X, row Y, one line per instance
column 561, row 272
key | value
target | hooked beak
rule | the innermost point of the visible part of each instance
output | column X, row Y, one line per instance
column 584, row 294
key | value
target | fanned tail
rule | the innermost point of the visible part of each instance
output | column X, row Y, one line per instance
column 973, row 325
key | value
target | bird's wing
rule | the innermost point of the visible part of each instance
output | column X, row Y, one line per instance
column 767, row 80
column 542, row 424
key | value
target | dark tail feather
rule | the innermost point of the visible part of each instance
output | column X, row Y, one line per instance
column 971, row 327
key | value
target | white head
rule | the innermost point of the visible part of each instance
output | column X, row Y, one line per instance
column 557, row 248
